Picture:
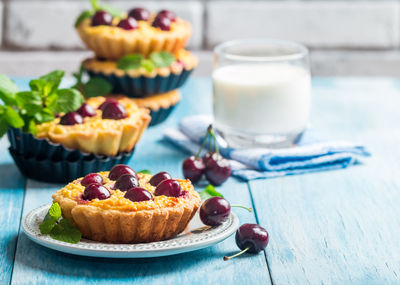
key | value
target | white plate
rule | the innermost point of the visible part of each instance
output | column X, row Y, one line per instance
column 195, row 237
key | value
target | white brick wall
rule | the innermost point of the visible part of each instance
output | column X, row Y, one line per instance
column 42, row 24
column 372, row 24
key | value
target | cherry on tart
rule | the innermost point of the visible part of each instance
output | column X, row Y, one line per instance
column 114, row 111
column 96, row 191
column 138, row 194
column 168, row 14
column 159, row 177
column 126, row 182
column 92, row 178
column 139, row 14
column 168, row 187
column 120, row 169
column 86, row 110
column 108, row 100
column 250, row 238
column 193, row 168
column 128, row 24
column 102, row 18
column 71, row 118
column 162, row 22
column 217, row 168
column 214, row 211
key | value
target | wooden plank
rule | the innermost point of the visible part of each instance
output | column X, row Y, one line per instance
column 340, row 227
column 12, row 185
column 35, row 264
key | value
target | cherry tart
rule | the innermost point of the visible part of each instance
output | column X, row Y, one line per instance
column 122, row 206
column 101, row 126
column 136, row 32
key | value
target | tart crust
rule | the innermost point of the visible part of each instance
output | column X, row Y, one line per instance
column 112, row 43
column 100, row 136
column 119, row 220
column 160, row 101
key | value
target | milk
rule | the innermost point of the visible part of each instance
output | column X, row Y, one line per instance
column 261, row 99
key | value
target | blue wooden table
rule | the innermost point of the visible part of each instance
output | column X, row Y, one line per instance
column 337, row 227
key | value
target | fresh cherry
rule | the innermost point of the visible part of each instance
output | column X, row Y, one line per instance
column 94, row 191
column 114, row 111
column 138, row 194
column 168, row 14
column 159, row 177
column 120, row 169
column 86, row 110
column 168, row 187
column 139, row 14
column 128, row 24
column 193, row 168
column 218, row 168
column 214, row 211
column 102, row 18
column 71, row 118
column 250, row 238
column 126, row 182
column 162, row 22
column 92, row 178
column 108, row 100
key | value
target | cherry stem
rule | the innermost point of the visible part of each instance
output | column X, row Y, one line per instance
column 237, row 254
column 202, row 145
column 243, row 207
column 211, row 132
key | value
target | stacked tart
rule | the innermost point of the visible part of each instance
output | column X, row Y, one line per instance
column 102, row 132
column 122, row 206
column 141, row 54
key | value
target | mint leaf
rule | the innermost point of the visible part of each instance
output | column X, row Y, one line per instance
column 30, row 127
column 53, row 77
column 3, row 125
column 83, row 16
column 55, row 211
column 145, row 171
column 148, row 65
column 128, row 62
column 209, row 192
column 7, row 90
column 44, row 115
column 13, row 118
column 95, row 4
column 97, row 86
column 65, row 231
column 116, row 13
column 68, row 100
column 30, row 101
column 162, row 59
column 50, row 219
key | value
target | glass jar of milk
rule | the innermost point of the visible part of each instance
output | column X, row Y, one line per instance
column 262, row 92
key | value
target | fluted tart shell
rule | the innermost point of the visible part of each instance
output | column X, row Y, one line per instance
column 119, row 220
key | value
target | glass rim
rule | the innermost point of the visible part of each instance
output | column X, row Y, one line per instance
column 301, row 50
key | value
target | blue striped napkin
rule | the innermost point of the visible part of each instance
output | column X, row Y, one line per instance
column 311, row 154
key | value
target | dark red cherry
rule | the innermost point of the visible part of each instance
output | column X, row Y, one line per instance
column 94, row 191
column 193, row 168
column 126, row 182
column 139, row 14
column 214, row 211
column 253, row 236
column 102, row 18
column 92, row 178
column 108, row 100
column 162, row 22
column 128, row 24
column 114, row 111
column 218, row 168
column 120, row 169
column 71, row 118
column 138, row 194
column 168, row 187
column 168, row 14
column 157, row 178
column 86, row 110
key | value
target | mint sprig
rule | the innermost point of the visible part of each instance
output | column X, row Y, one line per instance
column 97, row 7
column 209, row 192
column 145, row 171
column 136, row 61
column 26, row 109
column 61, row 230
column 95, row 86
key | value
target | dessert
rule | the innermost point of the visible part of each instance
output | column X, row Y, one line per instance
column 128, row 208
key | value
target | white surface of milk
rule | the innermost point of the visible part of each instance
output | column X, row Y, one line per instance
column 262, row 98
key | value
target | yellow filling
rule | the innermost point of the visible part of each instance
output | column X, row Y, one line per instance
column 74, row 191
